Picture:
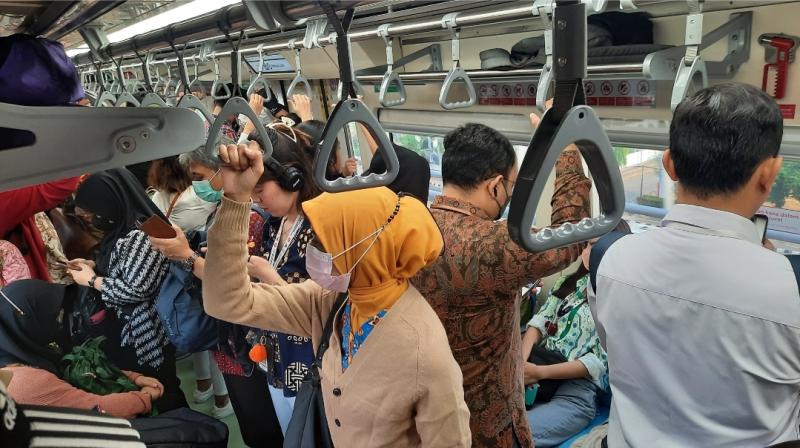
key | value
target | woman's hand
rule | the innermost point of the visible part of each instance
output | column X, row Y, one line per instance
column 175, row 249
column 302, row 106
column 150, row 386
column 533, row 373
column 257, row 104
column 350, row 167
column 79, row 261
column 260, row 268
column 81, row 273
column 244, row 166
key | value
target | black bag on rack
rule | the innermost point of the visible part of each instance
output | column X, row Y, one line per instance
column 308, row 427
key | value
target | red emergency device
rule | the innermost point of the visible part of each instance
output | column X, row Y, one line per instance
column 780, row 49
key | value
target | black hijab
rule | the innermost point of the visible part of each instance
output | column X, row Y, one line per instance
column 415, row 172
column 116, row 197
column 26, row 338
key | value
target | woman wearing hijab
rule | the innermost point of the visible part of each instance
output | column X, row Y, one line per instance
column 388, row 377
column 128, row 277
column 32, row 343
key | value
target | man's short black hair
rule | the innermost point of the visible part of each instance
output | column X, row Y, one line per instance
column 473, row 153
column 720, row 135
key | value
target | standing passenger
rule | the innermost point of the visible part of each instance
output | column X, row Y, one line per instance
column 473, row 285
column 401, row 389
column 701, row 323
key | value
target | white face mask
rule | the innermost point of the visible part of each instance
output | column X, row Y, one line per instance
column 320, row 265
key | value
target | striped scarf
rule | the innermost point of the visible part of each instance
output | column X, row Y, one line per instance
column 131, row 289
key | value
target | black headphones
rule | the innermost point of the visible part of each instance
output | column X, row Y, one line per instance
column 289, row 177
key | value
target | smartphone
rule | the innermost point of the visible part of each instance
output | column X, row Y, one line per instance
column 156, row 227
column 761, row 222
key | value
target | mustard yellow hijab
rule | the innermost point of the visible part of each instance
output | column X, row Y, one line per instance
column 409, row 243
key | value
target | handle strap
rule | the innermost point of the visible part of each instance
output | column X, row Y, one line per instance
column 328, row 331
column 172, row 203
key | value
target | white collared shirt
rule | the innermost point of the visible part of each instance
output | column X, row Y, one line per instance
column 702, row 329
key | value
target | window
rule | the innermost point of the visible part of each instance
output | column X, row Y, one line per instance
column 783, row 204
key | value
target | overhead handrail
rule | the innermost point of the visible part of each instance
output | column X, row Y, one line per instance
column 217, row 85
column 692, row 73
column 260, row 81
column 456, row 72
column 568, row 121
column 391, row 75
column 235, row 106
column 298, row 77
column 350, row 109
column 70, row 141
column 544, row 9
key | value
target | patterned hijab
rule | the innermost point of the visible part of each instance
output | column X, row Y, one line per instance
column 410, row 242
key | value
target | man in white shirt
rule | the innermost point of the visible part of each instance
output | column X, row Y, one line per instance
column 701, row 322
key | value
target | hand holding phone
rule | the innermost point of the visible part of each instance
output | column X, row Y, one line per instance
column 156, row 227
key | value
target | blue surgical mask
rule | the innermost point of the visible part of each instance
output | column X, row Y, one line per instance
column 203, row 190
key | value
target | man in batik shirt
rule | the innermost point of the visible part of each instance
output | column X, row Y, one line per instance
column 473, row 285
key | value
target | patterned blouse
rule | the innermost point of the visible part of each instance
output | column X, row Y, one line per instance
column 12, row 265
column 473, row 288
column 56, row 260
column 352, row 341
column 288, row 356
column 573, row 333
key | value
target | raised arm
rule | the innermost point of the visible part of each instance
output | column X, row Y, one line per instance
column 18, row 205
column 229, row 295
column 571, row 203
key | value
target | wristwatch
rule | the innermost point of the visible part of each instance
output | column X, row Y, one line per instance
column 188, row 264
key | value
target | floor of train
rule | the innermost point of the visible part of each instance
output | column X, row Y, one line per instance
column 186, row 374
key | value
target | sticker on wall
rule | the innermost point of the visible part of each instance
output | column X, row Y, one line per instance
column 617, row 93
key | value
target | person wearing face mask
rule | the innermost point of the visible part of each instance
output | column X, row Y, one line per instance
column 403, row 387
column 473, row 285
column 127, row 276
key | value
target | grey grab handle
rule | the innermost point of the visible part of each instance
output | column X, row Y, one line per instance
column 126, row 98
column 261, row 81
column 298, row 79
column 455, row 74
column 215, row 86
column 190, row 101
column 348, row 111
column 70, row 141
column 235, row 106
column 387, row 80
column 582, row 127
column 153, row 99
column 106, row 96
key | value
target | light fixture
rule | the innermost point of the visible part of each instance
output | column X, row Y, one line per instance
column 181, row 13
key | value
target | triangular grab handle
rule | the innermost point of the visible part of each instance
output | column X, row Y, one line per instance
column 190, row 101
column 388, row 79
column 582, row 127
column 348, row 111
column 126, row 98
column 454, row 75
column 260, row 82
column 298, row 80
column 107, row 98
column 235, row 106
column 225, row 89
column 153, row 100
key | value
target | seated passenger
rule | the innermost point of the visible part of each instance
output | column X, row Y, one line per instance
column 29, row 329
column 404, row 387
column 701, row 322
column 127, row 277
column 473, row 285
column 565, row 359
column 12, row 265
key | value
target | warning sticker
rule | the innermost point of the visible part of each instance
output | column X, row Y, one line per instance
column 607, row 93
column 788, row 111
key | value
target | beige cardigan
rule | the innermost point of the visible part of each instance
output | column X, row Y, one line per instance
column 403, row 388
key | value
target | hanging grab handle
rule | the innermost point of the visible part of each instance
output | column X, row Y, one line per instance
column 298, row 77
column 126, row 98
column 235, row 106
column 106, row 99
column 153, row 99
column 391, row 75
column 456, row 72
column 189, row 101
column 260, row 81
column 348, row 110
column 217, row 84
column 568, row 121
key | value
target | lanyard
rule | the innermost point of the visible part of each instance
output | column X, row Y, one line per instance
column 692, row 228
column 274, row 255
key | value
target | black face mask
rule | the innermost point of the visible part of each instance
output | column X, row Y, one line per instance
column 103, row 224
column 502, row 207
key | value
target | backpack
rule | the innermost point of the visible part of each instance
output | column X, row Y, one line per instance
column 180, row 308
column 181, row 428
